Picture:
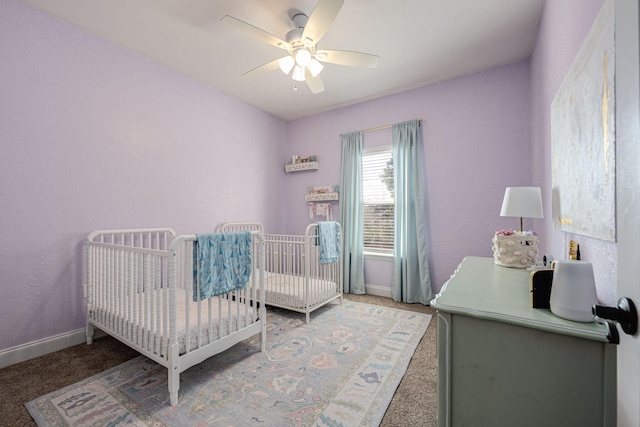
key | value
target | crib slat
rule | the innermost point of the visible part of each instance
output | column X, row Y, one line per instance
column 129, row 297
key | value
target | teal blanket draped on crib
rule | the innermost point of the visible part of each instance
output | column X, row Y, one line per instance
column 329, row 236
column 222, row 263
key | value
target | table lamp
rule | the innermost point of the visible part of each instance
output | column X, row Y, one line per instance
column 522, row 202
column 518, row 249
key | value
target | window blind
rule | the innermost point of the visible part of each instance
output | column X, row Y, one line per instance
column 377, row 186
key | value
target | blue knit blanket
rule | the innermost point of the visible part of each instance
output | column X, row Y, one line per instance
column 223, row 263
column 329, row 235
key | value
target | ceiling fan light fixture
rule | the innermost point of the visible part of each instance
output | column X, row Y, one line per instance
column 304, row 62
column 298, row 74
column 302, row 57
column 286, row 64
column 315, row 67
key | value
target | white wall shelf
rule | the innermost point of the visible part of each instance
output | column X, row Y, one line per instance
column 299, row 167
column 321, row 197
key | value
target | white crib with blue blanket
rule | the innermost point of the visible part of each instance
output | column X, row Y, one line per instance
column 295, row 278
column 139, row 289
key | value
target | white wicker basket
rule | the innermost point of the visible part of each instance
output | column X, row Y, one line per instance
column 517, row 250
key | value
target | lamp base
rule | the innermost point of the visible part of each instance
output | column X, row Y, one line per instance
column 515, row 250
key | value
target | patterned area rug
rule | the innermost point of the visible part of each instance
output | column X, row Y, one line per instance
column 341, row 370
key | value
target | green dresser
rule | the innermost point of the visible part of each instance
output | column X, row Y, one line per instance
column 503, row 363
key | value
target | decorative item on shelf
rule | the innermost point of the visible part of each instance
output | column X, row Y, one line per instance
column 296, row 159
column 573, row 290
column 320, row 209
column 518, row 248
column 514, row 249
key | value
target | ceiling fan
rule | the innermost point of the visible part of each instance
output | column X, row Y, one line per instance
column 304, row 60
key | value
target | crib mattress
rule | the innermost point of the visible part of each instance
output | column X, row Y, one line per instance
column 225, row 317
column 288, row 290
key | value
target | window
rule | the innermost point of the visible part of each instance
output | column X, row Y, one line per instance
column 377, row 188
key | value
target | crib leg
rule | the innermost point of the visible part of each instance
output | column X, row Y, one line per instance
column 308, row 317
column 263, row 329
column 89, row 333
column 174, row 375
column 173, row 395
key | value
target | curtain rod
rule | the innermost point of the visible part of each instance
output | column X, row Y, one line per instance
column 380, row 127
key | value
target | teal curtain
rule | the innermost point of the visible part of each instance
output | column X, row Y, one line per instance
column 411, row 282
column 352, row 212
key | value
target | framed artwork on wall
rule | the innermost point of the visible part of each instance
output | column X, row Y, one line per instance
column 583, row 136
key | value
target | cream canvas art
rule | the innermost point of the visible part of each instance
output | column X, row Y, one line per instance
column 583, row 136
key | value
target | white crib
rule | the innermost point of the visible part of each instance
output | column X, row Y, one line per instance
column 139, row 289
column 294, row 277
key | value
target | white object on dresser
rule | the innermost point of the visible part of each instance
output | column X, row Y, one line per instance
column 573, row 291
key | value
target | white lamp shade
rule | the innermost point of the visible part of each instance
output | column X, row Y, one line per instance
column 298, row 74
column 573, row 291
column 522, row 202
column 286, row 64
column 315, row 67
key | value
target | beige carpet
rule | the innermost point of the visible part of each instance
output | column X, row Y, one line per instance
column 414, row 403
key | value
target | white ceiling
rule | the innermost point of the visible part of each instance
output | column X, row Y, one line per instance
column 419, row 42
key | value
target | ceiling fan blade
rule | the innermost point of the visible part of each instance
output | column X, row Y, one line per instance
column 254, row 31
column 348, row 58
column 320, row 20
column 269, row 66
column 315, row 83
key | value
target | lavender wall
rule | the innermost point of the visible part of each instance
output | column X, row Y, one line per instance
column 564, row 26
column 477, row 142
column 93, row 136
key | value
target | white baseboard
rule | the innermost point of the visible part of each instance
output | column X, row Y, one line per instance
column 381, row 291
column 44, row 346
